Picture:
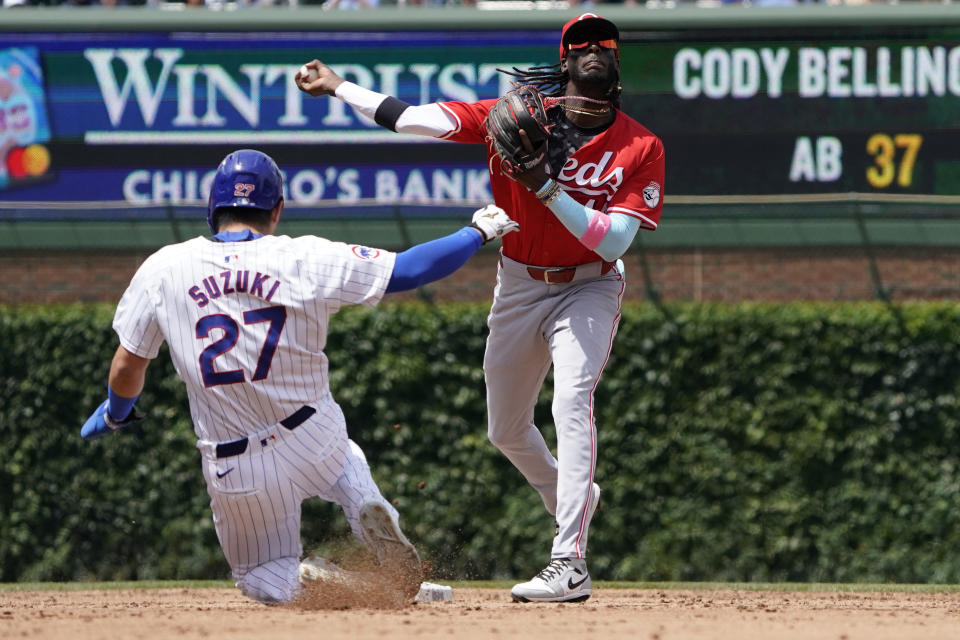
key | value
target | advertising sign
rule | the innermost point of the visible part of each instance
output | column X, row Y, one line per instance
column 145, row 117
column 24, row 128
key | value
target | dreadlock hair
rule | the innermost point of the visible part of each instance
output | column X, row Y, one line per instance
column 551, row 81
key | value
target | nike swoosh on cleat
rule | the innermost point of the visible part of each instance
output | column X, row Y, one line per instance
column 220, row 475
column 573, row 585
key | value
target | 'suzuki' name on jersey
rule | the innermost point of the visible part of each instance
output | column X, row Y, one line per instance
column 232, row 282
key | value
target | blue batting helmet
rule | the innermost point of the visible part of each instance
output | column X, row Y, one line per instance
column 245, row 178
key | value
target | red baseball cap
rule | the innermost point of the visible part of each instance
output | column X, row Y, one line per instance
column 584, row 24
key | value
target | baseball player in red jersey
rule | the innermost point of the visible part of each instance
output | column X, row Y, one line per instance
column 245, row 315
column 560, row 281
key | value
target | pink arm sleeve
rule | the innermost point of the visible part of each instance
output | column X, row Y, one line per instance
column 596, row 230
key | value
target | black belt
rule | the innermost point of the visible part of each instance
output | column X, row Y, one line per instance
column 291, row 422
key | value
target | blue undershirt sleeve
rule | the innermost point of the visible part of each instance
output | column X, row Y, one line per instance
column 433, row 260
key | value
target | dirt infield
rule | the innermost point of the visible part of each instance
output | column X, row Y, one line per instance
column 611, row 614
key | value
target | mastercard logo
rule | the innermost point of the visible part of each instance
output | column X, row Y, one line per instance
column 25, row 162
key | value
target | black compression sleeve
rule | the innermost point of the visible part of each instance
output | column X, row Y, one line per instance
column 389, row 111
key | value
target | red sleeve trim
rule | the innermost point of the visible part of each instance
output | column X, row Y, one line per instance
column 455, row 117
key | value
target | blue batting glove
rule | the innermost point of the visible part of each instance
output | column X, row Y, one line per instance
column 101, row 422
column 96, row 424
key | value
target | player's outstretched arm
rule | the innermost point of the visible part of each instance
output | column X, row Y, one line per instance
column 317, row 79
column 127, row 375
column 436, row 259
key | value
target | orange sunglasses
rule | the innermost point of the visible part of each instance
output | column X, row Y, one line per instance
column 603, row 44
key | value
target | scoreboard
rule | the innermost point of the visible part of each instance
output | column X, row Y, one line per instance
column 790, row 110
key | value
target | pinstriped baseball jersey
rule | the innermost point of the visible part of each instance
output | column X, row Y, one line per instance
column 246, row 322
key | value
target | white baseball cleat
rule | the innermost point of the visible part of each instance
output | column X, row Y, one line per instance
column 396, row 555
column 563, row 580
column 317, row 569
column 382, row 533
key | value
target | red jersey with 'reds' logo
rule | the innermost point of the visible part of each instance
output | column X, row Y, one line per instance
column 621, row 170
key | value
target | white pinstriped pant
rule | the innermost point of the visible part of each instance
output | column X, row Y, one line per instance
column 571, row 326
column 256, row 496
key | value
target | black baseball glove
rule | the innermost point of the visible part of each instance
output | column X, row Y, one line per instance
column 520, row 108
